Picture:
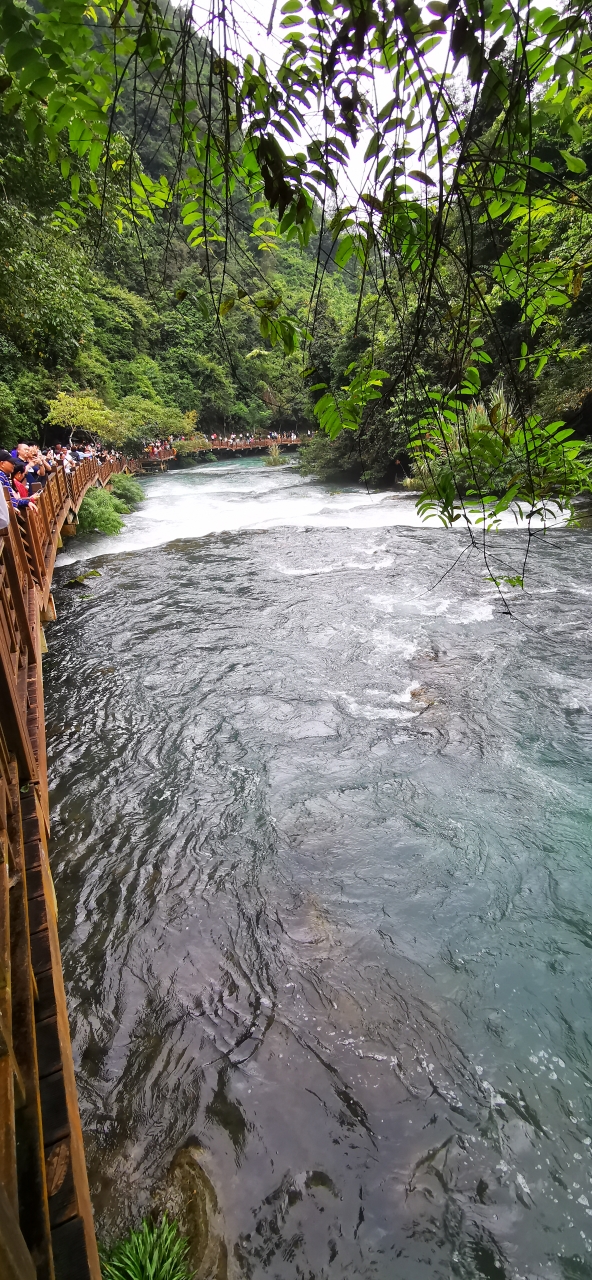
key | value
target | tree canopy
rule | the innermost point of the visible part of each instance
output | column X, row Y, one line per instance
column 461, row 237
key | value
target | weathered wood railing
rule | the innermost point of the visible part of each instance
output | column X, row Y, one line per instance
column 46, row 1222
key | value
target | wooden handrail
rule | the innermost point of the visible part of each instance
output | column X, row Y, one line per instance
column 258, row 442
column 225, row 446
column 46, row 1222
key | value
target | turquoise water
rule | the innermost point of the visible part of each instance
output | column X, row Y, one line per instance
column 321, row 841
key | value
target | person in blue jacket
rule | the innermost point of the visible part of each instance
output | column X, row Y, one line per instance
column 6, row 470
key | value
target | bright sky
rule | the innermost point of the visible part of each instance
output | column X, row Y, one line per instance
column 252, row 22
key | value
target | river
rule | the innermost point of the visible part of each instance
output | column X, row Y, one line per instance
column 321, row 844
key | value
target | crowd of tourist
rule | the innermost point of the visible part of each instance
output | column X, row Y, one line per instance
column 24, row 471
column 275, row 436
column 166, row 448
column 160, row 448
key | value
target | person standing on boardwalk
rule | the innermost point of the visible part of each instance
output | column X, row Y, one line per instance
column 6, row 472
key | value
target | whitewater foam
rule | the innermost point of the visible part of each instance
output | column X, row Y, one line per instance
column 243, row 495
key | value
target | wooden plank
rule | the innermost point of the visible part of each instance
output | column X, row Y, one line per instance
column 80, row 1176
column 30, row 538
column 20, row 606
column 69, row 1246
column 15, row 1260
column 7, row 1052
column 37, row 705
column 60, row 1185
column 8, row 1177
column 32, row 1189
column 14, row 721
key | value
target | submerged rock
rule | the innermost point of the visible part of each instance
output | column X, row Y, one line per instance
column 81, row 578
column 188, row 1196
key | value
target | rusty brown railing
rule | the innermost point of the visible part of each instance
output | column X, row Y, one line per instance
column 46, row 1222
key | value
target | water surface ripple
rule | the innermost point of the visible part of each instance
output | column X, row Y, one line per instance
column 321, row 842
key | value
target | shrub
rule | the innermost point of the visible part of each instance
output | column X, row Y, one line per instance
column 126, row 488
column 483, row 452
column 100, row 512
column 275, row 458
column 155, row 1252
column 192, row 444
column 330, row 459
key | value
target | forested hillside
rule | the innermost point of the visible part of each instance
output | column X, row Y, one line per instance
column 91, row 311
column 165, row 337
column 128, row 317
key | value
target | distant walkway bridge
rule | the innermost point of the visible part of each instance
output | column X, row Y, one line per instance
column 160, row 459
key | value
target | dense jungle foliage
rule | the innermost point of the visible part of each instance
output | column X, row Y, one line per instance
column 97, row 332
column 168, row 267
column 76, row 318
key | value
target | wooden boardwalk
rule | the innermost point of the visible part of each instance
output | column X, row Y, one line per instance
column 46, row 1222
column 159, row 461
column 257, row 445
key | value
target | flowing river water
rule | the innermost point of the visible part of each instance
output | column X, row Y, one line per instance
column 321, row 844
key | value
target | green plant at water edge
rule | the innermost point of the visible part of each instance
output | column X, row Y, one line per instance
column 192, row 445
column 100, row 512
column 275, row 458
column 154, row 1252
column 480, row 458
column 126, row 488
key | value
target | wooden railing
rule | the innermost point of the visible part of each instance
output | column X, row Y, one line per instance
column 46, row 1222
column 222, row 446
column 259, row 442
column 161, row 455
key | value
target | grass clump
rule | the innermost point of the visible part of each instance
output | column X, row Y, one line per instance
column 274, row 458
column 126, row 488
column 101, row 512
column 154, row 1252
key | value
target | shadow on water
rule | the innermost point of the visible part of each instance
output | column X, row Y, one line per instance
column 224, row 1111
column 321, row 844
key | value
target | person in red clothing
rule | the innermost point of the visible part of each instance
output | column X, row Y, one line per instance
column 18, row 480
column 7, row 465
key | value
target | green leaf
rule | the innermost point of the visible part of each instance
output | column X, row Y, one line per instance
column 344, row 251
column 574, row 163
column 94, row 155
column 373, row 146
column 421, row 177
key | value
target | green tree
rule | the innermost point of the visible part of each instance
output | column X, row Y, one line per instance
column 83, row 412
